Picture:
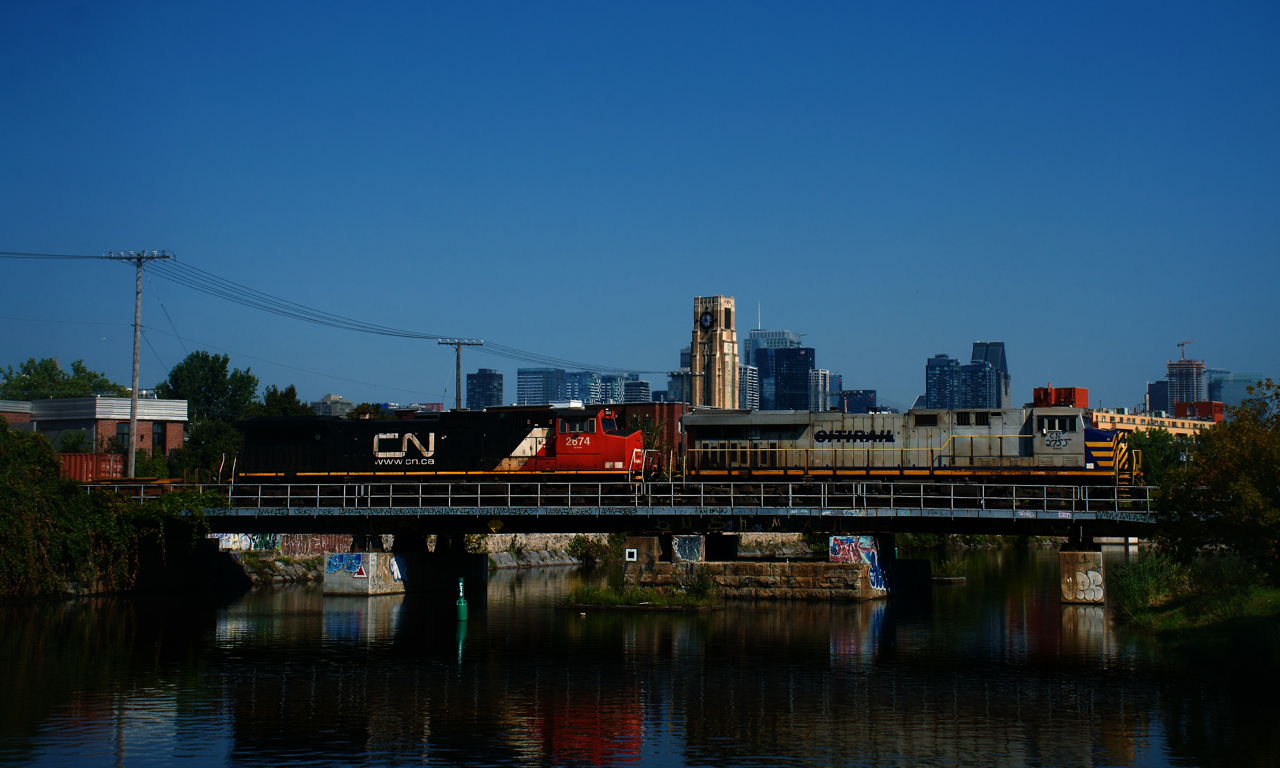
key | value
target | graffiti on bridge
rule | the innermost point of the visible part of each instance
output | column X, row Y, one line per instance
column 858, row 549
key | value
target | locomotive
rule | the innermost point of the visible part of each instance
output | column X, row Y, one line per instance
column 577, row 443
column 448, row 445
column 1010, row 444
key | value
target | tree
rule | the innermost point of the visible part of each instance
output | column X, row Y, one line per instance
column 277, row 402
column 74, row 441
column 1161, row 452
column 40, row 379
column 1229, row 494
column 210, row 390
column 211, row 443
column 369, row 411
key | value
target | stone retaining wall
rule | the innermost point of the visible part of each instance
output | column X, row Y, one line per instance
column 531, row 559
column 767, row 581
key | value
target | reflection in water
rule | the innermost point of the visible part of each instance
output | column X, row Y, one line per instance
column 997, row 672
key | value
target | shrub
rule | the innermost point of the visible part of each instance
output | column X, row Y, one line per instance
column 588, row 550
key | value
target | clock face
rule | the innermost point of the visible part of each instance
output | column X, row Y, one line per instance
column 706, row 319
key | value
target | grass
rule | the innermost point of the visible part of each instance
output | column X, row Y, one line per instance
column 1215, row 610
column 949, row 568
column 591, row 595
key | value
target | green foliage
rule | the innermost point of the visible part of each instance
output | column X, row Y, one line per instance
column 208, row 442
column 651, row 431
column 920, row 541
column 819, row 543
column 369, row 411
column 515, row 546
column 74, row 441
column 588, row 550
column 210, row 390
column 476, row 543
column 52, row 534
column 701, row 586
column 1161, row 594
column 40, row 379
column 1161, row 452
column 280, row 402
column 617, row 543
column 948, row 568
column 151, row 464
column 1229, row 496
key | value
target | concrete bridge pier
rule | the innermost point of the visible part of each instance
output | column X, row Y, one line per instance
column 1080, row 570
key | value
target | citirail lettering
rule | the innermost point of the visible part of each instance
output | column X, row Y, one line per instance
column 853, row 435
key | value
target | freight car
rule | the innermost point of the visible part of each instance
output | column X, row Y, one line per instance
column 1008, row 445
column 578, row 442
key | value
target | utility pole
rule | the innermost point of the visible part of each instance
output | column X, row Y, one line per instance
column 136, row 258
column 458, row 344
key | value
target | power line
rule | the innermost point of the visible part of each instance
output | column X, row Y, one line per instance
column 208, row 283
column 46, row 256
column 295, row 368
column 211, row 284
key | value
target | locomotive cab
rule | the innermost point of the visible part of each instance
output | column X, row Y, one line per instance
column 588, row 441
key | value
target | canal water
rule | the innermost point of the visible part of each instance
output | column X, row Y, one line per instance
column 995, row 672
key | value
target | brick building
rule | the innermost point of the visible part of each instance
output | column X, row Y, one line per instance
column 161, row 423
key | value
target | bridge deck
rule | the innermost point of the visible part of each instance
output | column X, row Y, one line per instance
column 727, row 506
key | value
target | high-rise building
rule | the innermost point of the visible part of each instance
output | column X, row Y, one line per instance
column 1186, row 381
column 332, row 405
column 714, row 352
column 611, row 388
column 757, row 351
column 791, row 368
column 582, row 385
column 684, row 357
column 819, row 389
column 941, row 382
column 484, row 389
column 748, row 387
column 979, row 386
column 1231, row 389
column 635, row 391
column 833, row 394
column 856, row 400
column 992, row 352
column 539, row 386
column 1158, row 397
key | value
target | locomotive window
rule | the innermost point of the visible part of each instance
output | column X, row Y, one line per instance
column 982, row 419
column 608, row 425
column 577, row 426
column 591, row 427
column 1057, row 424
column 962, row 418
column 927, row 420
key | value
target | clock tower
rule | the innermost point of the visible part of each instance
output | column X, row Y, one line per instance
column 714, row 354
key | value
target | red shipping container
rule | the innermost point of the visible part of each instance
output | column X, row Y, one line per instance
column 87, row 467
column 1061, row 397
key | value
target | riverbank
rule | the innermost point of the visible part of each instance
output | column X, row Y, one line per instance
column 1213, row 613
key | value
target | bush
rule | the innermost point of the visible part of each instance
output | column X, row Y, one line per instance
column 52, row 533
column 589, row 551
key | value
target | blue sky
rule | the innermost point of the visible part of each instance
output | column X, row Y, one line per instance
column 1090, row 183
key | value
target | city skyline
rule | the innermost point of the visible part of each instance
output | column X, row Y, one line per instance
column 916, row 166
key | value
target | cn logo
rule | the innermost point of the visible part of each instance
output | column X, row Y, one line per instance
column 404, row 445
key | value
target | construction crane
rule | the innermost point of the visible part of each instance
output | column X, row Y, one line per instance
column 1182, row 347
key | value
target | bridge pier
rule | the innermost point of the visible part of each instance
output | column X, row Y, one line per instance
column 1080, row 571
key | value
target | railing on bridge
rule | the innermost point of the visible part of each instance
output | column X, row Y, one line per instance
column 962, row 498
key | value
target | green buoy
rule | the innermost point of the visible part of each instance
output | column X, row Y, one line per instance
column 462, row 603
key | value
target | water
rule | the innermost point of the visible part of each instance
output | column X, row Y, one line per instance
column 996, row 672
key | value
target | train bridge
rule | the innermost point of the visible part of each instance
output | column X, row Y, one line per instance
column 692, row 507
